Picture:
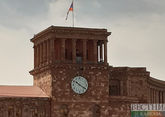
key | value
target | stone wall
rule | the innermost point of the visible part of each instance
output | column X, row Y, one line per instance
column 137, row 83
column 156, row 91
column 132, row 85
column 80, row 109
column 127, row 85
column 80, row 105
column 43, row 80
column 132, row 82
column 24, row 107
column 120, row 106
column 119, row 75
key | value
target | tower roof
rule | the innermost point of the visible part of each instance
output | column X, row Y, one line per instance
column 68, row 32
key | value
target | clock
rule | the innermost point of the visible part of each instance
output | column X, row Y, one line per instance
column 79, row 85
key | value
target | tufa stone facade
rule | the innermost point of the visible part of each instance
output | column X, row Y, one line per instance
column 63, row 53
column 24, row 107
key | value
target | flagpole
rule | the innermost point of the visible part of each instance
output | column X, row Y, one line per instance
column 73, row 13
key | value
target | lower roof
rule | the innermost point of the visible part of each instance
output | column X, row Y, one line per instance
column 21, row 91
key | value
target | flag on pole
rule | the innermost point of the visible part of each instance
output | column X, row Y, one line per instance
column 70, row 9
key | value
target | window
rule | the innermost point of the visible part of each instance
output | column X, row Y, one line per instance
column 114, row 89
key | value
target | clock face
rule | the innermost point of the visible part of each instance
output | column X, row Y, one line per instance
column 79, row 85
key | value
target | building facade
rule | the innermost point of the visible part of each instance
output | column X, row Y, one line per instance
column 71, row 69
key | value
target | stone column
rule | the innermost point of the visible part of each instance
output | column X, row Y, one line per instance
column 40, row 53
column 157, row 96
column 128, row 85
column 44, row 51
column 84, row 51
column 160, row 97
column 163, row 96
column 101, row 52
column 35, row 53
column 121, row 88
column 73, row 50
column 48, row 50
column 63, row 49
column 149, row 97
column 105, row 51
column 154, row 96
column 95, row 51
column 42, row 45
column 52, row 50
column 155, row 99
column 151, row 93
column 5, row 111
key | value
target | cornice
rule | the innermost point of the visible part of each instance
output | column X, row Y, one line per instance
column 156, row 83
column 69, row 66
column 70, row 33
column 128, row 71
column 123, row 99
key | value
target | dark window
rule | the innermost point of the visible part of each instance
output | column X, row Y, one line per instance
column 114, row 89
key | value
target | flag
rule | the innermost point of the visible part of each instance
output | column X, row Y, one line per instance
column 70, row 9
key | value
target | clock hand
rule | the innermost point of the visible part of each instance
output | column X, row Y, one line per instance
column 79, row 84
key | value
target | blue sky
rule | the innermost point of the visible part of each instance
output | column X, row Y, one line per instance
column 137, row 28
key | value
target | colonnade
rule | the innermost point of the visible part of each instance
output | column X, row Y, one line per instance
column 157, row 96
column 23, row 111
column 42, row 53
column 70, row 50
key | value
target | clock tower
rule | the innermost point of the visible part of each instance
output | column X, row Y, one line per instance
column 70, row 66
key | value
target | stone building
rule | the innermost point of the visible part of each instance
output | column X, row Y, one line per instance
column 73, row 79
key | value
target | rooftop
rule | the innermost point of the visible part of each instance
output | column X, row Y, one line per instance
column 64, row 31
column 21, row 91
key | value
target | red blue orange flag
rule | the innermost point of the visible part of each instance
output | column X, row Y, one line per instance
column 70, row 9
